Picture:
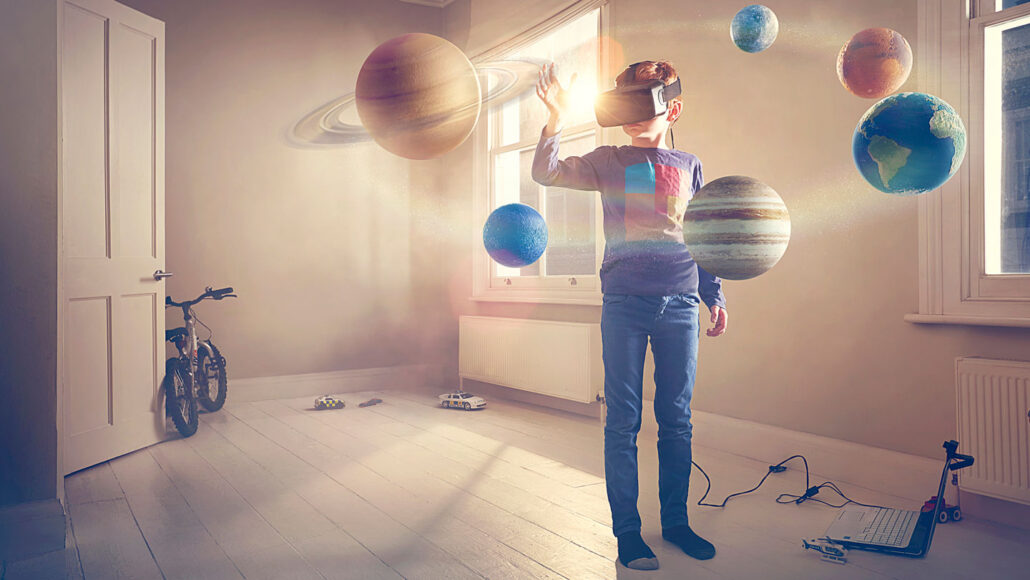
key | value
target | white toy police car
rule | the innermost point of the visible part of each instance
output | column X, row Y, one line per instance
column 462, row 400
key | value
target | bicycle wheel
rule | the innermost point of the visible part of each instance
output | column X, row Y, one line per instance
column 212, row 382
column 180, row 403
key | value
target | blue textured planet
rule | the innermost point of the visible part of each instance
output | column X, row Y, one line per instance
column 909, row 143
column 754, row 28
column 515, row 235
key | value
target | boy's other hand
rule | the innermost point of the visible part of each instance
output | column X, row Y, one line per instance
column 720, row 319
column 554, row 96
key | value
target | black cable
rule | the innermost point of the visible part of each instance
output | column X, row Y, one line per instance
column 791, row 498
column 772, row 469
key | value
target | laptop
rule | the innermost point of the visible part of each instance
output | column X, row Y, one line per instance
column 893, row 531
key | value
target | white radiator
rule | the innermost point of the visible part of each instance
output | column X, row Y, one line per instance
column 994, row 426
column 560, row 359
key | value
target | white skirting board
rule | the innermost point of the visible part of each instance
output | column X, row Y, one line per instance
column 314, row 384
column 908, row 476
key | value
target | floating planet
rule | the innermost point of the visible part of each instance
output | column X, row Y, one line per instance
column 909, row 143
column 754, row 28
column 418, row 96
column 500, row 81
column 874, row 63
column 736, row 227
column 515, row 235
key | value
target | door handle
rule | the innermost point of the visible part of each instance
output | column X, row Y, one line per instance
column 161, row 275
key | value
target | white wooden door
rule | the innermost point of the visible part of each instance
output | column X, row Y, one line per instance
column 112, row 104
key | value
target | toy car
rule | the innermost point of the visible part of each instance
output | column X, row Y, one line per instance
column 327, row 402
column 948, row 512
column 830, row 550
column 370, row 402
column 462, row 400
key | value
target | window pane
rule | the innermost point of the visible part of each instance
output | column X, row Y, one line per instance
column 1011, row 3
column 513, row 183
column 1007, row 148
column 506, row 179
column 574, row 48
column 510, row 122
column 570, row 222
column 506, row 190
column 529, row 194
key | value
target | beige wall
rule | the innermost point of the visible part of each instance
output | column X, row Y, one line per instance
column 818, row 344
column 28, row 251
column 317, row 241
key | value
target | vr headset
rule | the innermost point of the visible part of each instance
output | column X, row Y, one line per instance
column 634, row 102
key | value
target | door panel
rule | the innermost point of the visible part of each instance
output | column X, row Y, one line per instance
column 136, row 143
column 84, row 92
column 88, row 365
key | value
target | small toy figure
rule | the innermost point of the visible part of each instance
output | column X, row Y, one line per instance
column 948, row 512
column 830, row 550
column 328, row 402
column 370, row 402
column 461, row 400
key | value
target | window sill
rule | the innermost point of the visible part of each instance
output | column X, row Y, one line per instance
column 967, row 320
column 594, row 300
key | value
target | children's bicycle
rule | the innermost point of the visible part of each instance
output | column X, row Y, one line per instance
column 198, row 374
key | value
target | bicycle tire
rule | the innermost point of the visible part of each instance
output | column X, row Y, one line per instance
column 215, row 363
column 181, row 408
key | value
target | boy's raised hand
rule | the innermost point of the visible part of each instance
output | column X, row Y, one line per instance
column 554, row 96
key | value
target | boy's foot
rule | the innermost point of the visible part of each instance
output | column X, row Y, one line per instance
column 635, row 553
column 691, row 543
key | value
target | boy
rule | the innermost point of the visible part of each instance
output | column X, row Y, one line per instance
column 652, row 289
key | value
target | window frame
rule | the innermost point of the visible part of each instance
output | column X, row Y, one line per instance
column 559, row 289
column 953, row 285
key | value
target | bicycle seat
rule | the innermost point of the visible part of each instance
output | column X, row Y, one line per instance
column 171, row 335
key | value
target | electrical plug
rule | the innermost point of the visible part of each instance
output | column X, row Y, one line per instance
column 811, row 491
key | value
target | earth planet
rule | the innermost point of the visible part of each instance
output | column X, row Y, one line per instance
column 909, row 143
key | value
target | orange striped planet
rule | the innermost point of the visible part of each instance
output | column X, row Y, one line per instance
column 874, row 63
column 418, row 96
column 736, row 227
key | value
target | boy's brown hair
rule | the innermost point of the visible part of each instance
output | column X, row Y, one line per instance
column 649, row 70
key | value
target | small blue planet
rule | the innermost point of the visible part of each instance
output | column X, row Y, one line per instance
column 515, row 235
column 909, row 143
column 754, row 28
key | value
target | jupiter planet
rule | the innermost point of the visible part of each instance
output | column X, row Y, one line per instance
column 418, row 96
column 736, row 227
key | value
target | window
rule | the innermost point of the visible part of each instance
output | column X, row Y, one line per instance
column 1007, row 146
column 975, row 242
column 505, row 144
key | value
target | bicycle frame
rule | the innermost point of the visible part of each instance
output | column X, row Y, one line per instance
column 188, row 346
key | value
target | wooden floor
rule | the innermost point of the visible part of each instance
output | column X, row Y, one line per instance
column 406, row 489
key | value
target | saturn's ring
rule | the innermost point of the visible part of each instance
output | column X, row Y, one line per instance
column 512, row 78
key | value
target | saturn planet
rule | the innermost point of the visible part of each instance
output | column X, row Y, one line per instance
column 736, row 227
column 418, row 96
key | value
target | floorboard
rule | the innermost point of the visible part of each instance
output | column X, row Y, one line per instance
column 407, row 489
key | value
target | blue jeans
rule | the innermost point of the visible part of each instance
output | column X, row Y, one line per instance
column 672, row 324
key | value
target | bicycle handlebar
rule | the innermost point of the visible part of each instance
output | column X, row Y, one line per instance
column 208, row 293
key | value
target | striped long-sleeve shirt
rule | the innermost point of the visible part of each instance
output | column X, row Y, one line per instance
column 644, row 193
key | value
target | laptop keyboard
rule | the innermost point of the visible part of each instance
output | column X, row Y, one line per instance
column 887, row 528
